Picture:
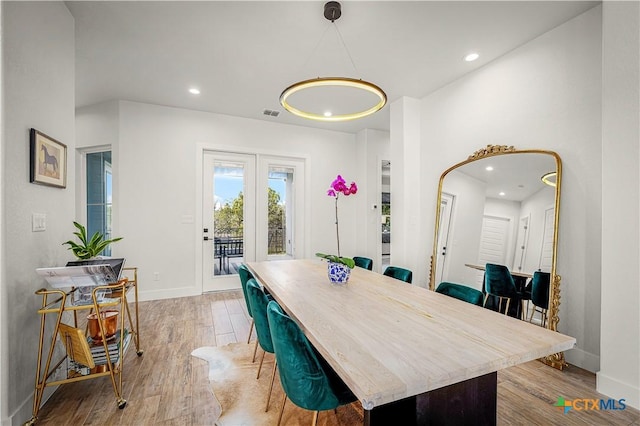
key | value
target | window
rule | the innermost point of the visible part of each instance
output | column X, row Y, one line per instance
column 99, row 188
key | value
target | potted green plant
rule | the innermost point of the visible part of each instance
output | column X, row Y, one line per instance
column 88, row 248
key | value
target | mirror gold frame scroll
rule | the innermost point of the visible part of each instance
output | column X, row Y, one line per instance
column 555, row 360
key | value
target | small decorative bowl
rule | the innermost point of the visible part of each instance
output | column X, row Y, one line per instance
column 109, row 322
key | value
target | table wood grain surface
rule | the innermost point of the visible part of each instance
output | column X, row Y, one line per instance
column 389, row 340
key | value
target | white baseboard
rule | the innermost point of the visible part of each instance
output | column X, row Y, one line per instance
column 616, row 389
column 25, row 410
column 169, row 293
column 583, row 359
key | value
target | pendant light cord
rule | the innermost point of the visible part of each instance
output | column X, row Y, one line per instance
column 353, row 64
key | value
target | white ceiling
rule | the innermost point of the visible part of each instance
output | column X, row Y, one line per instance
column 243, row 54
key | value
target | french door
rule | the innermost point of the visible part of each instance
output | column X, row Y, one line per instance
column 229, row 218
column 253, row 209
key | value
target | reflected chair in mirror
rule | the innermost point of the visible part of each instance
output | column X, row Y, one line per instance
column 259, row 301
column 245, row 275
column 540, row 295
column 461, row 292
column 308, row 381
column 399, row 273
column 499, row 283
column 363, row 262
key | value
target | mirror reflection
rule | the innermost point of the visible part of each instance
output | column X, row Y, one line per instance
column 495, row 208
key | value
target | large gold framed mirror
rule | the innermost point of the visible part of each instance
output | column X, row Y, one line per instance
column 501, row 206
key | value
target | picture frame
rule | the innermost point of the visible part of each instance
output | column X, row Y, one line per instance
column 48, row 162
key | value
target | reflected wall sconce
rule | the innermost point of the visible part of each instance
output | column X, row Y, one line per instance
column 376, row 98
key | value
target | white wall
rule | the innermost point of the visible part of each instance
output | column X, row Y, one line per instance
column 465, row 227
column 373, row 147
column 157, row 175
column 544, row 94
column 38, row 91
column 619, row 374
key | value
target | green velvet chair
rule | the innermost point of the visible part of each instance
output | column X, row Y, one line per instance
column 461, row 292
column 540, row 295
column 499, row 283
column 399, row 273
column 259, row 301
column 245, row 275
column 308, row 381
column 363, row 262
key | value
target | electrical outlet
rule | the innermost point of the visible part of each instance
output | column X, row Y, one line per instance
column 156, row 276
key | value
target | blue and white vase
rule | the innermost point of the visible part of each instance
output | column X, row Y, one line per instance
column 338, row 273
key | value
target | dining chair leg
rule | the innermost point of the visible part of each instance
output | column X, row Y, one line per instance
column 533, row 311
column 260, row 366
column 486, row 297
column 315, row 418
column 506, row 311
column 284, row 400
column 273, row 376
column 255, row 350
column 251, row 330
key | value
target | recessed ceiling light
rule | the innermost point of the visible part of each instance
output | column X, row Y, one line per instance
column 489, row 168
column 502, row 194
column 471, row 57
column 194, row 91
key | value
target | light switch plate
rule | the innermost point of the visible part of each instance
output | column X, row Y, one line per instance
column 38, row 222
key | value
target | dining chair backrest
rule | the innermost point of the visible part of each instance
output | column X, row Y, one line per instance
column 461, row 292
column 259, row 301
column 498, row 280
column 363, row 262
column 245, row 275
column 399, row 273
column 540, row 289
column 301, row 374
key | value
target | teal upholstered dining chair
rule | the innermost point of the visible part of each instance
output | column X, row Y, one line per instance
column 363, row 262
column 540, row 295
column 259, row 301
column 308, row 381
column 499, row 283
column 460, row 291
column 399, row 273
column 245, row 275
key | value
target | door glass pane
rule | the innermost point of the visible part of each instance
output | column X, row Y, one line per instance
column 99, row 188
column 277, row 205
column 228, row 217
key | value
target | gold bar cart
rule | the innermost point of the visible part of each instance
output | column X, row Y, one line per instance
column 78, row 353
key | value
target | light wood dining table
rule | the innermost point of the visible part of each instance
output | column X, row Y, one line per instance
column 410, row 355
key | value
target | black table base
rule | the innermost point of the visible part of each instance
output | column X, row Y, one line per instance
column 472, row 402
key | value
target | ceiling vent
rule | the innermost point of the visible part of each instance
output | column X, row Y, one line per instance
column 271, row 112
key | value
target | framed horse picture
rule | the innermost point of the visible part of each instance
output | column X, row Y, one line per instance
column 48, row 160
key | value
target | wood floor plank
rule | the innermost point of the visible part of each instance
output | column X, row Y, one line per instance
column 167, row 386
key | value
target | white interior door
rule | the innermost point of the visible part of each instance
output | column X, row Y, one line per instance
column 493, row 243
column 228, row 219
column 521, row 244
column 546, row 256
column 446, row 207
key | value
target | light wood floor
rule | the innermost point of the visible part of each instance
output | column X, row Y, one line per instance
column 167, row 386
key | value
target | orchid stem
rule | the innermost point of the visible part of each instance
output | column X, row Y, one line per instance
column 337, row 232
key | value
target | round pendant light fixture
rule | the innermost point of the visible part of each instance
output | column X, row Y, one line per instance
column 550, row 178
column 371, row 97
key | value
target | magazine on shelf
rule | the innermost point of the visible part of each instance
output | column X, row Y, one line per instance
column 112, row 344
column 78, row 276
column 100, row 358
